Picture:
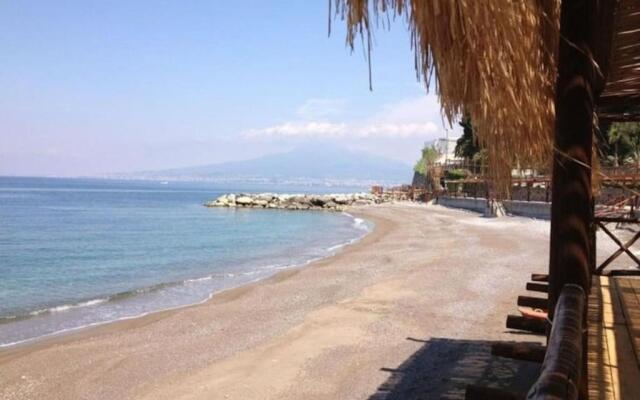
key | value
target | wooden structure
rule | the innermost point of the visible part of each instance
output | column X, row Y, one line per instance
column 562, row 366
column 613, row 343
column 598, row 72
column 510, row 58
column 621, row 212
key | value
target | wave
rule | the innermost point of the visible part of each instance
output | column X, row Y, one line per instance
column 359, row 223
column 257, row 274
column 66, row 307
column 54, row 309
column 206, row 278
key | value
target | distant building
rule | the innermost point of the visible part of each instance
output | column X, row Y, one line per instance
column 446, row 147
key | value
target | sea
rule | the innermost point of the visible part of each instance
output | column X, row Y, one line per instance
column 82, row 252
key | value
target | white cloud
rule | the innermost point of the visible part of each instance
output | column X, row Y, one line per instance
column 397, row 129
column 417, row 118
column 333, row 130
column 299, row 129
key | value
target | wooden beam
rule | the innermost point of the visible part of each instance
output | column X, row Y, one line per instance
column 519, row 351
column 624, row 272
column 526, row 324
column 477, row 392
column 533, row 302
column 539, row 277
column 623, row 248
column 538, row 287
column 617, row 220
column 611, row 100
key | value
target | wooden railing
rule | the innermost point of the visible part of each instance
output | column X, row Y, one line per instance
column 563, row 362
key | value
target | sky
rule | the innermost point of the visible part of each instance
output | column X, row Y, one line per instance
column 91, row 87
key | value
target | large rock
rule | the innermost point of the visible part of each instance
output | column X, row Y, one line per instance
column 333, row 202
column 330, row 204
column 264, row 197
column 300, row 199
column 231, row 200
column 244, row 200
column 223, row 201
column 317, row 201
column 341, row 199
column 260, row 202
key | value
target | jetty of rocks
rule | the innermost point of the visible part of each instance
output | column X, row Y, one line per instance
column 330, row 202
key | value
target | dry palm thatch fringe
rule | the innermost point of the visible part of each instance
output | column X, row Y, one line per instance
column 492, row 59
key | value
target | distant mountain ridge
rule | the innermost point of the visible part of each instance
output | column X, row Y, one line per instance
column 309, row 163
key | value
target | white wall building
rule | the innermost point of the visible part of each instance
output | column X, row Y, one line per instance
column 446, row 147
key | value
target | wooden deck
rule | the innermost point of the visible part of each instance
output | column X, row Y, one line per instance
column 614, row 338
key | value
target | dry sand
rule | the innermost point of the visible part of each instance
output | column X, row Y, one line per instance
column 408, row 312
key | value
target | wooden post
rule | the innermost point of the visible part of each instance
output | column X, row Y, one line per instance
column 546, row 191
column 571, row 212
column 583, row 31
column 592, row 237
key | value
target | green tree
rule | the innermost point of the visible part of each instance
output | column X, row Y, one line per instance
column 429, row 157
column 467, row 145
column 624, row 141
column 427, row 172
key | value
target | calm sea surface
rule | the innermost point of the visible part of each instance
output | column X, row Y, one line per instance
column 78, row 252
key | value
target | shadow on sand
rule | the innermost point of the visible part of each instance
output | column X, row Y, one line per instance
column 442, row 368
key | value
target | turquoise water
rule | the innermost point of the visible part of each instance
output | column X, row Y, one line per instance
column 75, row 253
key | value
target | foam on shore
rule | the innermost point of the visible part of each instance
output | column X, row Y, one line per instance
column 63, row 318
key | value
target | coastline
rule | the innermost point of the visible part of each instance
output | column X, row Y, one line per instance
column 226, row 330
column 331, row 252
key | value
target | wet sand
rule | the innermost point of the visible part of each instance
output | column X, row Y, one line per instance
column 408, row 312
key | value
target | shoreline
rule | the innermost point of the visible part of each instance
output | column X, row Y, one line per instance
column 330, row 329
column 81, row 331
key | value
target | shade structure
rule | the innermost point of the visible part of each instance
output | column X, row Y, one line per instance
column 496, row 61
column 620, row 100
column 535, row 76
column 493, row 60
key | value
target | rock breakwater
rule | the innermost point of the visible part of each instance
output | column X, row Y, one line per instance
column 330, row 202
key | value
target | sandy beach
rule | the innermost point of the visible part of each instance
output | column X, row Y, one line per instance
column 408, row 312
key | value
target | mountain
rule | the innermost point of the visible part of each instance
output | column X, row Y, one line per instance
column 319, row 163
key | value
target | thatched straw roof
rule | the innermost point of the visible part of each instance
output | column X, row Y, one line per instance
column 494, row 60
column 620, row 99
